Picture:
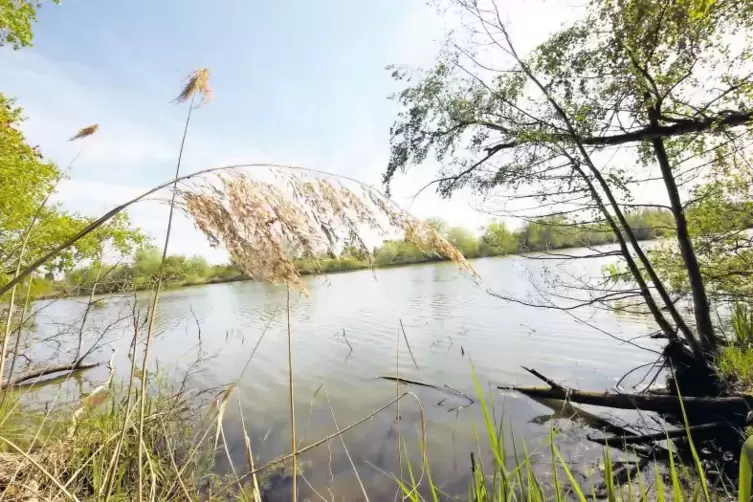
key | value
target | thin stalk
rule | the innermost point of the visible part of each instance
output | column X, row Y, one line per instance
column 292, row 405
column 18, row 340
column 86, row 313
column 397, row 403
column 157, row 289
column 110, row 473
column 8, row 322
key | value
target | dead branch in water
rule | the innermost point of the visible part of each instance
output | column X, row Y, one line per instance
column 405, row 337
column 49, row 370
column 657, row 436
column 660, row 403
column 447, row 389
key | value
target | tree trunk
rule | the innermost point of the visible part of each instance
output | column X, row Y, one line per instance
column 698, row 289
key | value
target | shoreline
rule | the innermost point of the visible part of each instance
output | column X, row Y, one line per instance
column 353, row 267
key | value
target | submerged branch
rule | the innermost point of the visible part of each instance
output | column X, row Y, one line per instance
column 658, row 436
column 49, row 370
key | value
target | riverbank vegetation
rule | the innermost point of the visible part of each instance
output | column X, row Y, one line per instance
column 542, row 129
column 495, row 239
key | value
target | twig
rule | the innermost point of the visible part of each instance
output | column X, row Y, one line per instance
column 346, row 341
column 249, row 453
column 335, row 434
column 658, row 436
column 538, row 375
column 92, row 397
column 408, row 344
column 347, row 453
column 462, row 394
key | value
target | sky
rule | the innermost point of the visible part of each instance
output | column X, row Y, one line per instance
column 295, row 82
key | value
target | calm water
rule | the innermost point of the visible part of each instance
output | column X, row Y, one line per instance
column 445, row 315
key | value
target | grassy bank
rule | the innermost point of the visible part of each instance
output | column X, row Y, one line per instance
column 90, row 451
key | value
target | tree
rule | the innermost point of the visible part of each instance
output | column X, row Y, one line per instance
column 463, row 240
column 497, row 240
column 16, row 18
column 665, row 82
column 29, row 226
column 26, row 181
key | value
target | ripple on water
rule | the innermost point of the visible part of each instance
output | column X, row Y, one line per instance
column 448, row 321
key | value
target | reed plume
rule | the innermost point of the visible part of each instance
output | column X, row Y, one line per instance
column 197, row 85
column 265, row 226
column 85, row 132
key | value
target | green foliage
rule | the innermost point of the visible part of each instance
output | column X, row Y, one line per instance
column 16, row 19
column 742, row 325
column 497, row 240
column 141, row 273
column 718, row 223
column 556, row 232
column 463, row 240
column 735, row 361
column 398, row 253
column 26, row 180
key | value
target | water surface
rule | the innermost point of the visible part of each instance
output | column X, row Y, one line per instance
column 451, row 324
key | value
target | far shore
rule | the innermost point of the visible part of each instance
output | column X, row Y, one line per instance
column 326, row 267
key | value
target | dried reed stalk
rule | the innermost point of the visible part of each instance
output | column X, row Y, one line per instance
column 197, row 84
column 291, row 394
column 418, row 231
column 265, row 225
column 85, row 132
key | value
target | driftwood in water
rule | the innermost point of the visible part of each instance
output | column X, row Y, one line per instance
column 447, row 389
column 660, row 403
column 49, row 370
column 658, row 436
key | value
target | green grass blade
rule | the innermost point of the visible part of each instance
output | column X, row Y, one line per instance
column 573, row 481
column 746, row 472
column 660, row 495
column 674, row 474
column 608, row 475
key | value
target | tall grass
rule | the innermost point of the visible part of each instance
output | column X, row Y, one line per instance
column 500, row 477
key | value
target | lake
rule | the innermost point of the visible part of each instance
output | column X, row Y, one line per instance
column 452, row 325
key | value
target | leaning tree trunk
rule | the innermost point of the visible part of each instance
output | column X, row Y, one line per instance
column 698, row 289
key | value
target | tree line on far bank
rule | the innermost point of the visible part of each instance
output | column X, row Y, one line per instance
column 495, row 239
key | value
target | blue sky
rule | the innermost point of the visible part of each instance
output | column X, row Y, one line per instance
column 295, row 82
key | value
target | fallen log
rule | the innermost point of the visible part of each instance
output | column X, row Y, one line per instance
column 660, row 403
column 657, row 436
column 646, row 402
